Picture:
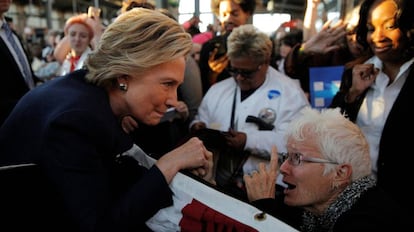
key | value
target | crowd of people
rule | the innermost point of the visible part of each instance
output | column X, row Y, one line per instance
column 238, row 116
column 253, row 106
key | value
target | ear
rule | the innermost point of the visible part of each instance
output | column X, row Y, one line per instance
column 122, row 79
column 343, row 173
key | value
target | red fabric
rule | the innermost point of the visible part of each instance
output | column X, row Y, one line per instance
column 291, row 24
column 203, row 37
column 208, row 217
column 192, row 217
column 186, row 25
column 199, row 217
column 73, row 61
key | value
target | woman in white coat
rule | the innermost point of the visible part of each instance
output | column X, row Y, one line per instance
column 253, row 108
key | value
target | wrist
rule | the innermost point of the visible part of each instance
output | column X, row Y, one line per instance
column 351, row 97
column 301, row 50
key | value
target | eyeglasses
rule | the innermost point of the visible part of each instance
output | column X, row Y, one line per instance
column 248, row 74
column 295, row 159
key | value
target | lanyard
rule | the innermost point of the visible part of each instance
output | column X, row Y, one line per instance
column 233, row 109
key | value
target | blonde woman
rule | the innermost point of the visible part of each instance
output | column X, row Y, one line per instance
column 77, row 138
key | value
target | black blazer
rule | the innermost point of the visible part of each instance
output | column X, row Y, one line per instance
column 13, row 85
column 373, row 211
column 66, row 126
column 394, row 169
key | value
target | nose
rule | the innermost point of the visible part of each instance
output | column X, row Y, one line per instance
column 377, row 35
column 239, row 76
column 77, row 38
column 284, row 167
column 172, row 100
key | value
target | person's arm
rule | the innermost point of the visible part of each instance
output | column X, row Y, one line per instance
column 326, row 40
column 261, row 192
column 260, row 184
column 62, row 49
column 354, row 85
column 94, row 198
column 211, row 68
column 309, row 20
column 98, row 30
column 192, row 155
column 217, row 65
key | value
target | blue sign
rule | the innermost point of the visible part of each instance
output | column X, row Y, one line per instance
column 324, row 83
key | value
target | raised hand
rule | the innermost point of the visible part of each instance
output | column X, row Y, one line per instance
column 261, row 184
column 327, row 39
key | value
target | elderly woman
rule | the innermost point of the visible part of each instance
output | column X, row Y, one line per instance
column 71, row 129
column 328, row 172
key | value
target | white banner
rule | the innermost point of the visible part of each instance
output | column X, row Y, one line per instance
column 186, row 189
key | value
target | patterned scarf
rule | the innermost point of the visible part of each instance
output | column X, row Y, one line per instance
column 343, row 203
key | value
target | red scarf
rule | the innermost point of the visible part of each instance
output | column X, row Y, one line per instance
column 73, row 62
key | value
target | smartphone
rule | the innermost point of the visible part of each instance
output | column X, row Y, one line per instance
column 221, row 51
column 94, row 12
column 221, row 46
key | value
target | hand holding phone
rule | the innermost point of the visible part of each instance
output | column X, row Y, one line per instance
column 221, row 47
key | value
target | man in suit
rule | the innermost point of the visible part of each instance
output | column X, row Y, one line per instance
column 13, row 80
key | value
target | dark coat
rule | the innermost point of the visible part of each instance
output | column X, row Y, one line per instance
column 67, row 127
column 394, row 170
column 13, row 85
column 373, row 211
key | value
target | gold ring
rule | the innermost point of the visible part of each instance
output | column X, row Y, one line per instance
column 253, row 172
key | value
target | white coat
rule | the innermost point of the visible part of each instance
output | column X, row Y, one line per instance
column 278, row 92
column 65, row 68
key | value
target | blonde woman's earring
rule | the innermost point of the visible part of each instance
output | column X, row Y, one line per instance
column 123, row 86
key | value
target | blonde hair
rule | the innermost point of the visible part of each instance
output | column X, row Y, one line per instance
column 130, row 4
column 136, row 41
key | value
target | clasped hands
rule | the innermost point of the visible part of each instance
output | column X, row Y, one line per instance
column 192, row 155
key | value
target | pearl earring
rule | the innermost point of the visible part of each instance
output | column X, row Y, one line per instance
column 123, row 86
